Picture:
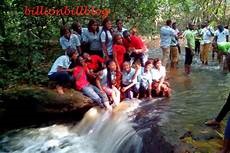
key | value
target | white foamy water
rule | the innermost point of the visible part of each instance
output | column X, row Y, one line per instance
column 99, row 131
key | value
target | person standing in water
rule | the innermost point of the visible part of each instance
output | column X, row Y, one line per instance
column 189, row 48
column 166, row 34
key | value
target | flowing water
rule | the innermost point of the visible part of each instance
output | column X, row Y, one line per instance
column 154, row 126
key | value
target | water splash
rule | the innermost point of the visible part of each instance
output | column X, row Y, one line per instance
column 99, row 131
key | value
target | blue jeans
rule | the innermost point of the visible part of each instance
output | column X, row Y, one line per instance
column 95, row 94
column 62, row 78
column 132, row 90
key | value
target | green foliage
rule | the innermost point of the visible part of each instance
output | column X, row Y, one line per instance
column 27, row 41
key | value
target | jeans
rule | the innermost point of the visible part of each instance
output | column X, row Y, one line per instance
column 131, row 92
column 62, row 78
column 188, row 56
column 95, row 94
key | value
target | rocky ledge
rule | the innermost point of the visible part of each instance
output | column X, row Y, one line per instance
column 24, row 105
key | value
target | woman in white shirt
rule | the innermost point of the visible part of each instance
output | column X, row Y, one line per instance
column 145, row 79
column 108, row 81
column 160, row 86
column 129, row 79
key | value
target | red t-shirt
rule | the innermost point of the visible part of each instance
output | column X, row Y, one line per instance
column 135, row 42
column 80, row 76
column 94, row 63
column 120, row 52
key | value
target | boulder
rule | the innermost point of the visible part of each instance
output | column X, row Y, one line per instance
column 30, row 104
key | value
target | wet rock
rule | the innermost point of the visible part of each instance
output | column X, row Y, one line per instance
column 33, row 103
column 186, row 134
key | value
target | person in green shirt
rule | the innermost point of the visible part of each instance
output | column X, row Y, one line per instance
column 224, row 49
column 189, row 48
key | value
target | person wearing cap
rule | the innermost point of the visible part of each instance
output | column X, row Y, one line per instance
column 59, row 71
column 135, row 47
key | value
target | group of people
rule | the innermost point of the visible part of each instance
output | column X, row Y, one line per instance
column 107, row 64
column 199, row 40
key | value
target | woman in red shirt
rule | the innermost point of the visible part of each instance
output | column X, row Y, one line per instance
column 83, row 85
column 118, row 51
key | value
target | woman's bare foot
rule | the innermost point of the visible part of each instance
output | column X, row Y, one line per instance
column 60, row 90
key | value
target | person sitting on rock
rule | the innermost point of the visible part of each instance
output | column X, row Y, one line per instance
column 82, row 84
column 160, row 86
column 60, row 69
column 108, row 81
column 135, row 47
column 129, row 79
column 144, row 79
column 94, row 62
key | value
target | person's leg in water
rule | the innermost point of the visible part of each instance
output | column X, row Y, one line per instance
column 188, row 60
column 225, row 109
column 165, row 59
column 116, row 96
column 174, row 56
column 226, row 146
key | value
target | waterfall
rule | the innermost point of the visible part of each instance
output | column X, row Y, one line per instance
column 99, row 131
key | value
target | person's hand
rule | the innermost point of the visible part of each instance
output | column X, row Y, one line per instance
column 137, row 66
column 102, row 91
column 150, row 97
column 123, row 89
column 192, row 52
column 158, row 89
column 107, row 58
column 131, row 49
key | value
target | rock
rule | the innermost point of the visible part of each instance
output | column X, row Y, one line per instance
column 33, row 103
column 40, row 99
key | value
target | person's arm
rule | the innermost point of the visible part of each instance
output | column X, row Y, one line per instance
column 150, row 88
column 63, row 65
column 98, row 81
column 103, row 44
column 161, row 81
column 104, row 49
column 127, row 87
column 61, row 69
column 62, row 43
